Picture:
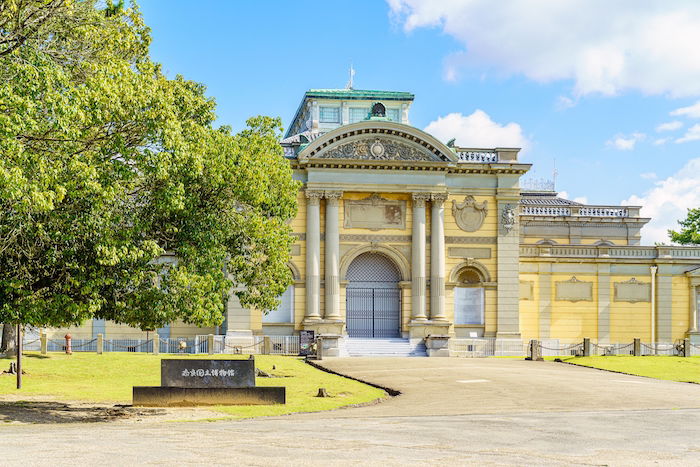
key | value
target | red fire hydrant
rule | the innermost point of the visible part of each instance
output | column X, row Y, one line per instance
column 69, row 351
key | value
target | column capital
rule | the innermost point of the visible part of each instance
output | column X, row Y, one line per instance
column 313, row 196
column 419, row 199
column 332, row 197
column 438, row 198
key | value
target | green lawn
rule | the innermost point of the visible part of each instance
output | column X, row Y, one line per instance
column 685, row 369
column 110, row 377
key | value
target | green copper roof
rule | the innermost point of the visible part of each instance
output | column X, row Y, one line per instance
column 359, row 94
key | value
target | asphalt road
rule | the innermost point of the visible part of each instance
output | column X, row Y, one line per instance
column 451, row 412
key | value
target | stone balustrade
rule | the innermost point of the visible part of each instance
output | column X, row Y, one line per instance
column 606, row 251
column 477, row 155
column 580, row 211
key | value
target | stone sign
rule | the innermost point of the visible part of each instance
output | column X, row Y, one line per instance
column 190, row 373
column 632, row 291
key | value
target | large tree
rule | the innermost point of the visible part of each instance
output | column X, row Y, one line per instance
column 690, row 233
column 108, row 168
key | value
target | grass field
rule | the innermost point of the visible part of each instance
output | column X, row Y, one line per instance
column 685, row 369
column 110, row 377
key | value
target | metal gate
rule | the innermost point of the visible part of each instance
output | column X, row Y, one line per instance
column 373, row 297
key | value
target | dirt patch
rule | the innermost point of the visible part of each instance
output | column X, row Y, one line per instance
column 43, row 410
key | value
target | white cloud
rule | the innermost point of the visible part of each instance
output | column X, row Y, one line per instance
column 668, row 202
column 580, row 199
column 604, row 47
column 564, row 103
column 670, row 126
column 477, row 131
column 692, row 111
column 692, row 134
column 649, row 176
column 660, row 141
column 625, row 143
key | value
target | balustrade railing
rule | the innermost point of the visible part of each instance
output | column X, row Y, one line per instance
column 477, row 156
column 545, row 211
column 624, row 252
column 582, row 211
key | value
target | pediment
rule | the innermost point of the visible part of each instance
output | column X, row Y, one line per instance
column 377, row 141
column 377, row 149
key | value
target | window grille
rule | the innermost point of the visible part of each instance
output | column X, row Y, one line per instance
column 393, row 115
column 329, row 115
column 358, row 114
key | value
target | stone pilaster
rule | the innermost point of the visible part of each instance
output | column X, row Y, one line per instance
column 544, row 303
column 664, row 301
column 313, row 255
column 604, row 303
column 508, row 320
column 418, row 258
column 437, row 257
column 332, row 263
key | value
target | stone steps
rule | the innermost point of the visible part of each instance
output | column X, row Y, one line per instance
column 385, row 347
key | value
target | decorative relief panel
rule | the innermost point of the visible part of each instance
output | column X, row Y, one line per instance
column 380, row 149
column 574, row 290
column 375, row 213
column 632, row 291
column 459, row 240
column 526, row 290
column 469, row 214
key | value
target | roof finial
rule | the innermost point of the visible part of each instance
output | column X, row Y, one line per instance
column 352, row 75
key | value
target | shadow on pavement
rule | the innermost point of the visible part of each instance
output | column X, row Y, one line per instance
column 59, row 412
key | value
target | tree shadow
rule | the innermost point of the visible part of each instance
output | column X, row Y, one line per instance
column 59, row 412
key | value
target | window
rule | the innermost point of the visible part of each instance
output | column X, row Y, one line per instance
column 329, row 114
column 285, row 312
column 469, row 305
column 393, row 115
column 357, row 114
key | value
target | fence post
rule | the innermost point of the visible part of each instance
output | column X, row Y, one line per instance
column 100, row 343
column 637, row 351
column 267, row 345
column 686, row 347
column 156, row 344
column 586, row 346
column 44, row 343
column 210, row 344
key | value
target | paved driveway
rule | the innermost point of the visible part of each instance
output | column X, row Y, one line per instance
column 461, row 386
column 452, row 412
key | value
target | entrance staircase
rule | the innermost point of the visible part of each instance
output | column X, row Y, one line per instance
column 383, row 347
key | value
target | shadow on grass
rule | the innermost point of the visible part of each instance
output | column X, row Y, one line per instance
column 58, row 412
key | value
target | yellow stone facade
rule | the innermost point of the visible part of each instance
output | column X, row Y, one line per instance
column 457, row 224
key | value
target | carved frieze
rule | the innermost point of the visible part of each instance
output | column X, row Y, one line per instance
column 574, row 290
column 375, row 213
column 632, row 291
column 469, row 214
column 380, row 149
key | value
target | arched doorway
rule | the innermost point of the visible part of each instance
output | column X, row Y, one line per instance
column 373, row 297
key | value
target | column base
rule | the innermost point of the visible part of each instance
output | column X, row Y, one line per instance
column 694, row 337
column 324, row 326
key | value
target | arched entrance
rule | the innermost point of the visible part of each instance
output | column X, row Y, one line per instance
column 373, row 297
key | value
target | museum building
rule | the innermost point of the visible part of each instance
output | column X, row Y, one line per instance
column 401, row 237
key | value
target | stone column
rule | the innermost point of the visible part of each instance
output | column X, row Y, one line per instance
column 437, row 257
column 313, row 254
column 332, row 263
column 418, row 258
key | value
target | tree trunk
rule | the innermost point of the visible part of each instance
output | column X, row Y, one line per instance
column 9, row 338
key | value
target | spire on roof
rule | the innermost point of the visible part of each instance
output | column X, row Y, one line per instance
column 352, row 75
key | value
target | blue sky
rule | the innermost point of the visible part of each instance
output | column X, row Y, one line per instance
column 581, row 82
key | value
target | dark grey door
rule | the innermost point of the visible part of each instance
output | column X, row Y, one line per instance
column 373, row 297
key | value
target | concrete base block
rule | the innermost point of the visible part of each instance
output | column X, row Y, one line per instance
column 437, row 345
column 329, row 346
column 324, row 326
column 164, row 396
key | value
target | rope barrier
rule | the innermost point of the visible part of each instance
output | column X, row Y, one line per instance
column 561, row 349
column 113, row 344
column 84, row 344
column 30, row 342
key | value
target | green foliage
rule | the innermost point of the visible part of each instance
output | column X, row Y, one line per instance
column 690, row 234
column 119, row 199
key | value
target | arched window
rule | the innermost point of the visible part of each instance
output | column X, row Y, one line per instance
column 284, row 313
column 469, row 297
